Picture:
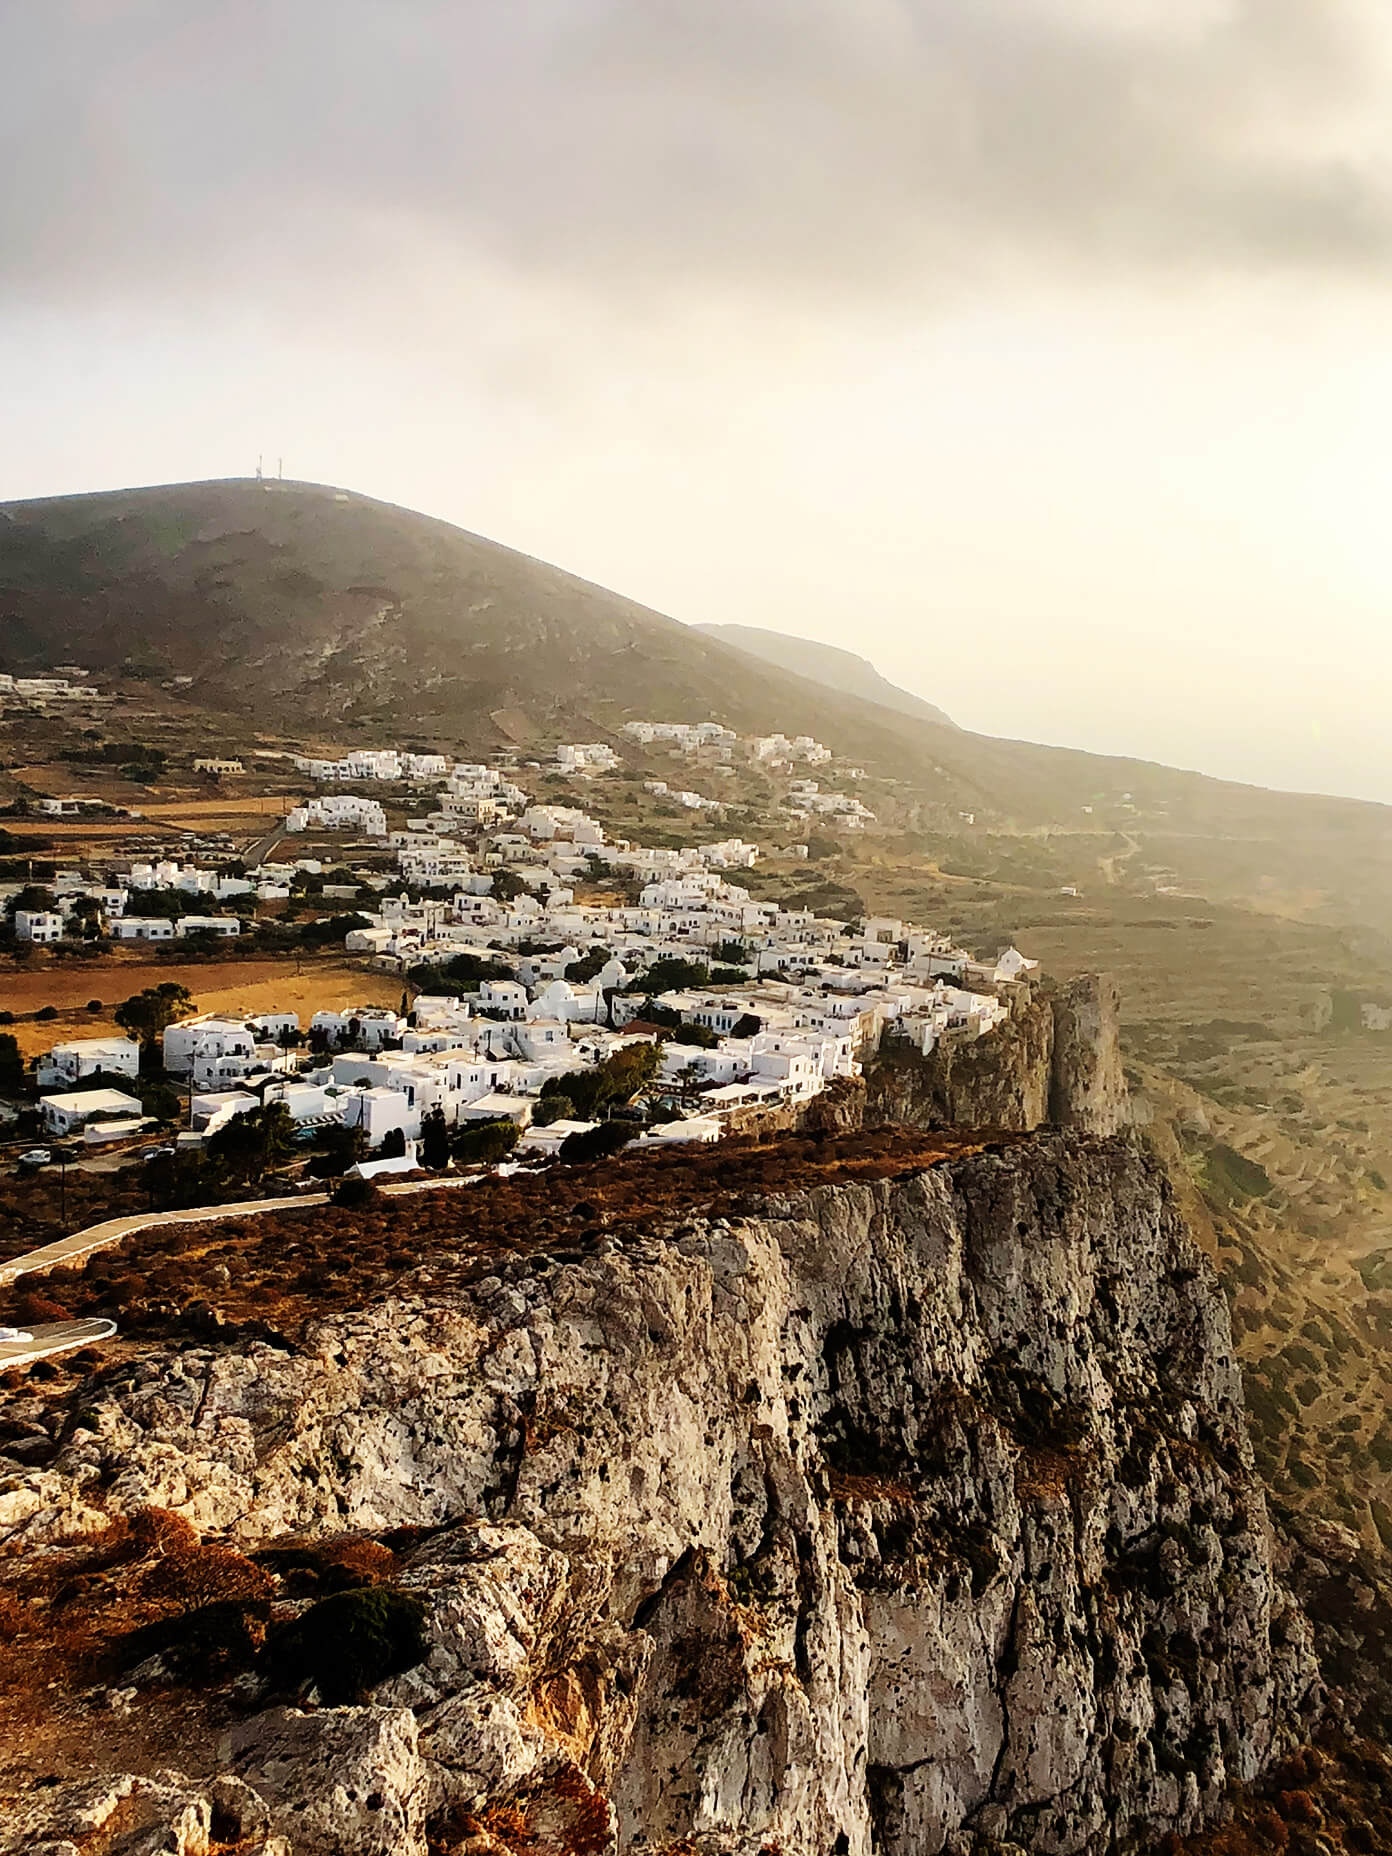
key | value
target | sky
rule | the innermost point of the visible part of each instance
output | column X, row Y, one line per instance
column 1036, row 349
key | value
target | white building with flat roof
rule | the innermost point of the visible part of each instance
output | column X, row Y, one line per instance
column 79, row 1058
column 66, row 1113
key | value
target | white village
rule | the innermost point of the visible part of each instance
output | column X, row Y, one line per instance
column 533, row 948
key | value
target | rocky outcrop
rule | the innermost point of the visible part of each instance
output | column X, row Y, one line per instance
column 999, row 1081
column 1087, row 1087
column 1057, row 1059
column 895, row 1516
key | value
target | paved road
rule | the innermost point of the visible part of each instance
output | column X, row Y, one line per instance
column 53, row 1337
column 258, row 853
column 101, row 1236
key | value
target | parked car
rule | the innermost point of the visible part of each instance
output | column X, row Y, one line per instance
column 35, row 1156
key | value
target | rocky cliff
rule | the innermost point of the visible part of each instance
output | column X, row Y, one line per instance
column 901, row 1514
column 1057, row 1059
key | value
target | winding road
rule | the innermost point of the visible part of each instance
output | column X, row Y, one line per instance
column 53, row 1337
column 101, row 1236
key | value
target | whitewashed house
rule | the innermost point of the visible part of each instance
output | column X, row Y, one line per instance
column 38, row 925
column 67, row 1112
column 79, row 1058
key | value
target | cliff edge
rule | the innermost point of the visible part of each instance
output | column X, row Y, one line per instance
column 897, row 1515
column 1056, row 1059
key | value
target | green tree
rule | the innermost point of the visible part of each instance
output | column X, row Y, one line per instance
column 147, row 1015
column 434, row 1141
column 34, row 899
column 672, row 974
column 609, row 1084
column 484, row 1143
column 552, row 1108
column 507, row 886
column 249, row 1145
column 173, row 1181
column 87, row 916
column 589, row 966
column 158, row 1099
column 336, row 1148
column 167, row 903
column 11, row 1065
column 596, row 1143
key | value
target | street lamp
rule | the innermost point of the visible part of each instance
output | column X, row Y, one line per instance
column 62, row 1155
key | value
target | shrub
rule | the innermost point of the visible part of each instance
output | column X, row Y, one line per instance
column 46, row 1012
column 315, row 1568
column 552, row 1108
column 32, row 1309
column 672, row 974
column 355, row 1194
column 94, row 1005
column 348, row 1643
column 596, row 1143
column 485, row 1142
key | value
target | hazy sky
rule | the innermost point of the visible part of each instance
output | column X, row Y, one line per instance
column 1040, row 349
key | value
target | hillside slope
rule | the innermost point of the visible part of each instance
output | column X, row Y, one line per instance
column 829, row 664
column 323, row 613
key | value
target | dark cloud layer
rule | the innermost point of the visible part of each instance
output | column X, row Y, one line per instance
column 882, row 150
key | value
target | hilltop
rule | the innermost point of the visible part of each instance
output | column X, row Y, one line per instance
column 317, row 613
column 829, row 664
column 288, row 601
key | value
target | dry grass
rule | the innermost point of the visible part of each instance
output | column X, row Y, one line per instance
column 236, row 987
column 1333, row 1796
column 278, row 1271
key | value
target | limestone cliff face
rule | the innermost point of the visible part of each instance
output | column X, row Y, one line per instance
column 891, row 1517
column 1087, row 1087
column 1000, row 1081
column 1057, row 1059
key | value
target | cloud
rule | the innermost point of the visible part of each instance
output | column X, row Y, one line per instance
column 652, row 152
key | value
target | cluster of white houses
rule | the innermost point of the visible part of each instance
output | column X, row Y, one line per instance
column 794, row 1001
column 66, row 684
column 711, row 741
column 373, row 764
column 589, row 945
column 768, row 1042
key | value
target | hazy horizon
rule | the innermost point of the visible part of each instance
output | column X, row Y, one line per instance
column 1035, row 354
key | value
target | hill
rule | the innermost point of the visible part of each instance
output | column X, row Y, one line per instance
column 329, row 616
column 828, row 664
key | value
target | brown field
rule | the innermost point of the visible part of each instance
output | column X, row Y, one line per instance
column 234, row 986
column 249, row 817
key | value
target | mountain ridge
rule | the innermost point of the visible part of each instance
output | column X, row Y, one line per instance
column 831, row 664
column 312, row 608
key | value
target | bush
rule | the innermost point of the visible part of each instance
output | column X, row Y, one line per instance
column 614, row 1081
column 348, row 1643
column 337, row 1147
column 46, row 1012
column 552, row 1108
column 355, row 1194
column 596, row 1143
column 313, row 1569
column 95, row 1005
column 672, row 974
column 32, row 1309
column 485, row 1142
